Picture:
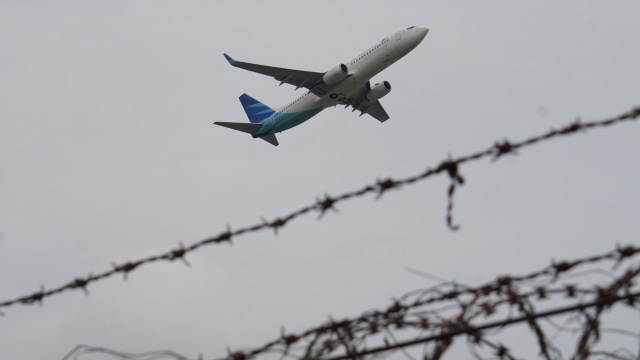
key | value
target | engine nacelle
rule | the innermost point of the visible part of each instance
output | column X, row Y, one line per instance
column 378, row 90
column 336, row 74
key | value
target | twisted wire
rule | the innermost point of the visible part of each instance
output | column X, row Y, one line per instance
column 322, row 205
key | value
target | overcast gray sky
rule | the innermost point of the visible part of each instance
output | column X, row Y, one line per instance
column 108, row 153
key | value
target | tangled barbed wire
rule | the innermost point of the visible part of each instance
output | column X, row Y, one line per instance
column 450, row 166
column 438, row 317
column 442, row 314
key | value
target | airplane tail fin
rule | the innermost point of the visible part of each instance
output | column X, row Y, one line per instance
column 256, row 111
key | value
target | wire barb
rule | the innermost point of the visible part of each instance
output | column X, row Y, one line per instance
column 502, row 148
column 385, row 185
column 325, row 205
column 179, row 253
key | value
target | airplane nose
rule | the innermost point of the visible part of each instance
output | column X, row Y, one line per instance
column 422, row 32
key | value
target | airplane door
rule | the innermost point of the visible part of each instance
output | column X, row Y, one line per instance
column 398, row 35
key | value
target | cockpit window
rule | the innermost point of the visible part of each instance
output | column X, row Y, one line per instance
column 410, row 27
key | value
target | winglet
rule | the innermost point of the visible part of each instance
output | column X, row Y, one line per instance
column 230, row 59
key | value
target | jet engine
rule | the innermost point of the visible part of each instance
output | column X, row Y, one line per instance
column 378, row 90
column 336, row 74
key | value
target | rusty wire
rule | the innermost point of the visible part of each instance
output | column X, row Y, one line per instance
column 440, row 316
column 450, row 166
column 449, row 311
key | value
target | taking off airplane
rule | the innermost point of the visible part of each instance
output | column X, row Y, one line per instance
column 345, row 84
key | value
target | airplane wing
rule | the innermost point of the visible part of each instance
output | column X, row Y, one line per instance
column 313, row 82
column 374, row 109
column 298, row 78
column 365, row 106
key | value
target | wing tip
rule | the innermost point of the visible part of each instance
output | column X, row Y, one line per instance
column 231, row 60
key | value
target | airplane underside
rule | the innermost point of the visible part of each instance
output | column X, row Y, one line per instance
column 285, row 121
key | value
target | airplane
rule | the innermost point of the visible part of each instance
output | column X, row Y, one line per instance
column 345, row 84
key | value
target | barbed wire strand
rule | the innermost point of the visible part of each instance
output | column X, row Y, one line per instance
column 448, row 311
column 323, row 205
column 151, row 355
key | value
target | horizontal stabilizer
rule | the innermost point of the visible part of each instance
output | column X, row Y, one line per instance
column 249, row 128
column 271, row 139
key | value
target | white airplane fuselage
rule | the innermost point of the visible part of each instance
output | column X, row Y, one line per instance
column 346, row 84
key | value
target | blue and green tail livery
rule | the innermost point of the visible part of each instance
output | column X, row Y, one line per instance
column 256, row 111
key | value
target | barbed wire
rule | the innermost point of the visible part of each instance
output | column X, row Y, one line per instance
column 438, row 316
column 449, row 310
column 450, row 166
column 151, row 355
